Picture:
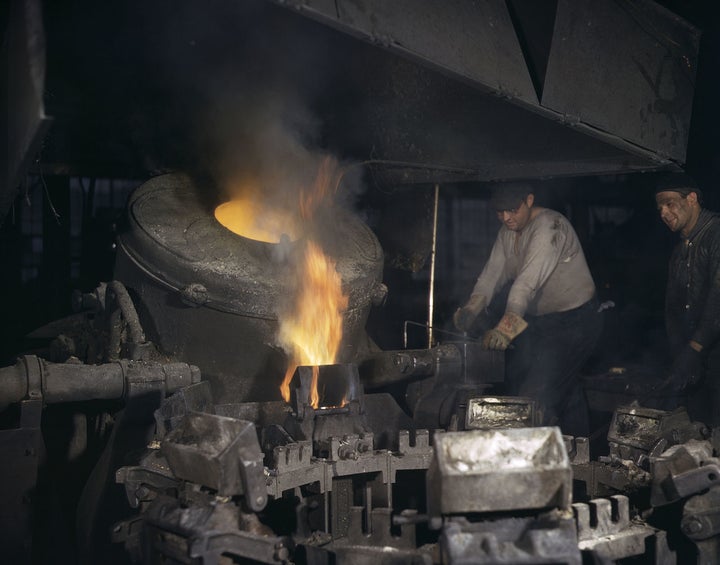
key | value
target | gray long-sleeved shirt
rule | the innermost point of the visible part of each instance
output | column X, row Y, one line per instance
column 546, row 262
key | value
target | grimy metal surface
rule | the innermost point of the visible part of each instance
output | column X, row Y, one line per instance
column 425, row 91
column 548, row 537
column 218, row 452
column 77, row 382
column 627, row 68
column 499, row 470
column 23, row 450
column 174, row 236
column 196, row 283
column 619, row 103
column 22, row 64
column 448, row 35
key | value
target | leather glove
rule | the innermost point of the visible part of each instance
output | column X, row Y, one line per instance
column 465, row 315
column 687, row 371
column 510, row 326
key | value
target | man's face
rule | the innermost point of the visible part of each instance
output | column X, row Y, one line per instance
column 676, row 210
column 516, row 219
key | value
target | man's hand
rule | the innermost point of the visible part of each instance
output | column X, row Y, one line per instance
column 465, row 315
column 495, row 339
column 510, row 326
column 463, row 318
column 687, row 370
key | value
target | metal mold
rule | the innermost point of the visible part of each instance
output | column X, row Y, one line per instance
column 499, row 470
column 219, row 453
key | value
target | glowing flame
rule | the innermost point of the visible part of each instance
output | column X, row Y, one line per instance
column 311, row 329
column 314, row 327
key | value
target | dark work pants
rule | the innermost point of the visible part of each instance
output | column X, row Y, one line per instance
column 703, row 401
column 545, row 361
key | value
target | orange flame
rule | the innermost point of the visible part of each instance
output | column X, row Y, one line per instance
column 311, row 331
column 314, row 327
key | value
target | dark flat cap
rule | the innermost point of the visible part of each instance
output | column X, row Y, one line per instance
column 682, row 183
column 509, row 196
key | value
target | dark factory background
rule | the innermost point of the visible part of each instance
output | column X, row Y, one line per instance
column 136, row 89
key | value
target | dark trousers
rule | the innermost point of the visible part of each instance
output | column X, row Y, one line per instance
column 545, row 361
column 703, row 400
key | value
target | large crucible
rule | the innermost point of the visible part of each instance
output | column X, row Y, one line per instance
column 212, row 297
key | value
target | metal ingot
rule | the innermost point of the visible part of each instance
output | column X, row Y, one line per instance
column 499, row 470
column 485, row 412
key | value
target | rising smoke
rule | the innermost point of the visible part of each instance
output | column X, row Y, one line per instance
column 258, row 138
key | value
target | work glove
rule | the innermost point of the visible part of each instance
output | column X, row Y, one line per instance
column 687, row 370
column 466, row 315
column 509, row 327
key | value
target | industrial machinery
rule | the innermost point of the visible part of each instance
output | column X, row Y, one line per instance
column 174, row 379
column 220, row 399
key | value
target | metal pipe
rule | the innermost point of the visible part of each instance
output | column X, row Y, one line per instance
column 431, row 291
column 73, row 382
column 135, row 330
column 326, row 511
column 389, row 367
column 368, row 507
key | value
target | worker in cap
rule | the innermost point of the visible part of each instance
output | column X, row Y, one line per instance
column 551, row 322
column 692, row 297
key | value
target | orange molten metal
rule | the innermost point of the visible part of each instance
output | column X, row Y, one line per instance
column 254, row 220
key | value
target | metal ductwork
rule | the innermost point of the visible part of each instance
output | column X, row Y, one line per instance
column 497, row 90
column 423, row 91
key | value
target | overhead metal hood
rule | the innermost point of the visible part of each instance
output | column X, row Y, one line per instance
column 426, row 91
column 491, row 89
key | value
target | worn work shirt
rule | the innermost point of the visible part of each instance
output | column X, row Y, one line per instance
column 692, row 300
column 546, row 262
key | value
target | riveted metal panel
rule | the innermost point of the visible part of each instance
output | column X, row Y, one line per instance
column 474, row 41
column 626, row 68
column 22, row 63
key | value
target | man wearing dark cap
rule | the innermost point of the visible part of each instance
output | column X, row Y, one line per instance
column 551, row 315
column 692, row 299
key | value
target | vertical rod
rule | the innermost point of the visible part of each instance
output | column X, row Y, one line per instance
column 431, row 292
column 326, row 510
column 56, row 270
column 368, row 508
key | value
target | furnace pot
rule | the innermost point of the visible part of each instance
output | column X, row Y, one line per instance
column 209, row 297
